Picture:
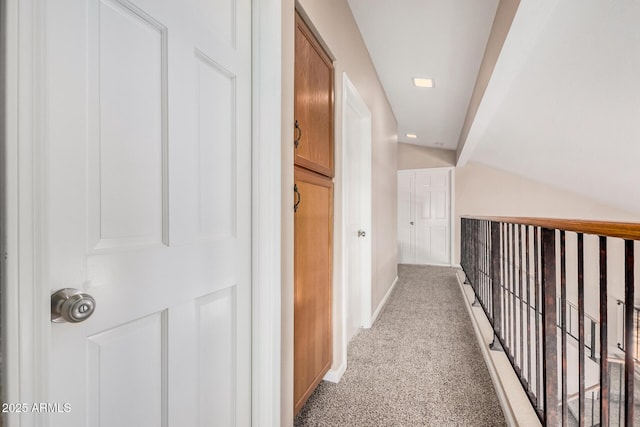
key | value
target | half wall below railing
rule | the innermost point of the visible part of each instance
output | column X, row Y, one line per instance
column 550, row 289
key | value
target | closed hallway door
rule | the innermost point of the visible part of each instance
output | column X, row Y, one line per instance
column 424, row 216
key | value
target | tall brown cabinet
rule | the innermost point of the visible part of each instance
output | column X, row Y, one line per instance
column 313, row 217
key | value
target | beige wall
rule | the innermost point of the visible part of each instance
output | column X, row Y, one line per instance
column 412, row 156
column 483, row 190
column 339, row 31
column 336, row 27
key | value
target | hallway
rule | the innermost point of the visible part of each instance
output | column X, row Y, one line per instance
column 419, row 365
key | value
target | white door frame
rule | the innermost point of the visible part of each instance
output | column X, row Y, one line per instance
column 266, row 212
column 452, row 187
column 26, row 318
column 352, row 99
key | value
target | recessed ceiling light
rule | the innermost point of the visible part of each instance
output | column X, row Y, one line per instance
column 423, row 82
column 412, row 135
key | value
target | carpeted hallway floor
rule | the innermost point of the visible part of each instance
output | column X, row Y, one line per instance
column 419, row 365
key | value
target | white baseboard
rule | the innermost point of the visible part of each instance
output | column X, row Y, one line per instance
column 334, row 375
column 382, row 303
column 514, row 403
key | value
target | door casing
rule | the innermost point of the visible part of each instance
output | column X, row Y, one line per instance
column 26, row 303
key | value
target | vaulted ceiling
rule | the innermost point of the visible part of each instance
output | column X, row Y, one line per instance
column 562, row 105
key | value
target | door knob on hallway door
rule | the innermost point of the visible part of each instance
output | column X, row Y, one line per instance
column 411, row 222
column 361, row 233
column 71, row 305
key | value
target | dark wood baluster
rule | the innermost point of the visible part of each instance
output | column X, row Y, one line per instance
column 485, row 284
column 520, row 306
column 474, row 269
column 537, row 284
column 581, row 408
column 563, row 325
column 513, row 296
column 549, row 327
column 489, row 291
column 495, row 282
column 464, row 251
column 505, row 286
column 487, row 271
column 605, row 374
column 628, row 330
column 528, row 307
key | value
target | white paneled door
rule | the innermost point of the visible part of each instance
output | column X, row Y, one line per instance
column 357, row 204
column 424, row 216
column 147, row 209
column 406, row 221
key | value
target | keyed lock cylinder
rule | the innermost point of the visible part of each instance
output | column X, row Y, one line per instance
column 71, row 305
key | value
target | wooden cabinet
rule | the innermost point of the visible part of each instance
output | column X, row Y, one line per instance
column 313, row 228
column 312, row 272
column 313, row 105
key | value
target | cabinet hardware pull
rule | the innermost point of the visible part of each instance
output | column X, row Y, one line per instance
column 295, row 190
column 296, row 141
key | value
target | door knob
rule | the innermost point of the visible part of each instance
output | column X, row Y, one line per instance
column 411, row 222
column 361, row 233
column 71, row 305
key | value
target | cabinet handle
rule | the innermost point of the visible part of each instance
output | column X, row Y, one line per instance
column 295, row 190
column 298, row 135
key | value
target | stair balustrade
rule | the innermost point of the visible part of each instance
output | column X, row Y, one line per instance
column 557, row 294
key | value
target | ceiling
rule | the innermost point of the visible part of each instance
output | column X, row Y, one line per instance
column 439, row 39
column 562, row 105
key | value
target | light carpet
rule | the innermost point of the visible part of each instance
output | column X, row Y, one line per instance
column 419, row 365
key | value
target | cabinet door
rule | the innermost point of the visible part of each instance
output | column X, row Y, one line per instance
column 313, row 103
column 312, row 270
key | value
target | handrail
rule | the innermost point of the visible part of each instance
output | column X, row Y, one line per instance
column 622, row 230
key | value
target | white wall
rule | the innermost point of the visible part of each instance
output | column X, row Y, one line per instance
column 337, row 29
column 288, row 37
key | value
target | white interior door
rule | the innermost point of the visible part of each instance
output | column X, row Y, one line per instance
column 424, row 216
column 432, row 217
column 357, row 200
column 354, row 238
column 146, row 207
column 406, row 221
